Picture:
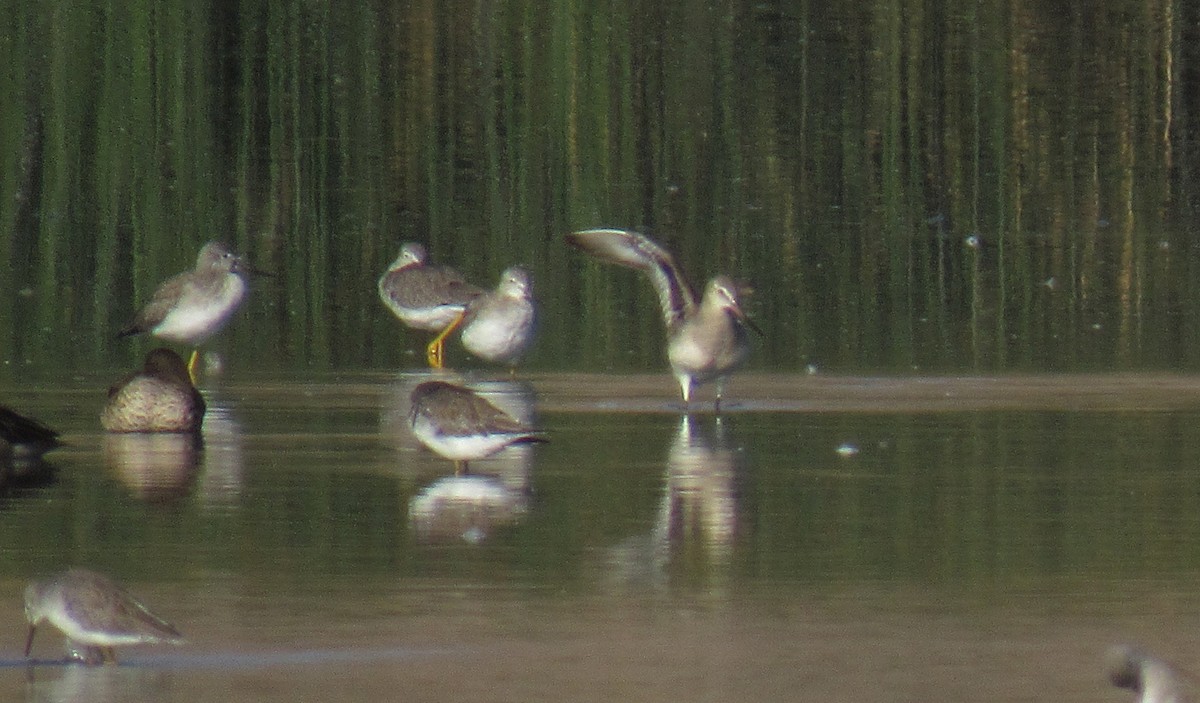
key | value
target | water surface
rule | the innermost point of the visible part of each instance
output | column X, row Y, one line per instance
column 835, row 538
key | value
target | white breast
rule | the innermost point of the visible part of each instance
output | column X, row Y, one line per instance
column 199, row 315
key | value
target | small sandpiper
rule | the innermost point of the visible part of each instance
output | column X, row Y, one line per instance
column 499, row 325
column 158, row 398
column 191, row 307
column 28, row 438
column 461, row 425
column 426, row 296
column 706, row 341
column 95, row 613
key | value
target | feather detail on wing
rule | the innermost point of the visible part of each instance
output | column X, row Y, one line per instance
column 637, row 251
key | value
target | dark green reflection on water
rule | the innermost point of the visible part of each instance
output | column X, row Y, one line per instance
column 627, row 503
column 987, row 498
column 906, row 184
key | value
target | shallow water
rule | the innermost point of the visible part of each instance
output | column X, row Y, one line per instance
column 827, row 538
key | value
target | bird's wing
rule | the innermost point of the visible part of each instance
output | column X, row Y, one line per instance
column 637, row 251
column 429, row 286
column 99, row 604
column 460, row 411
column 161, row 303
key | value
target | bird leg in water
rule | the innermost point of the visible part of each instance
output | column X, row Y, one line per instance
column 434, row 353
column 193, row 362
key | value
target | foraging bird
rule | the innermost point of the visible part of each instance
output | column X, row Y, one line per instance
column 706, row 340
column 27, row 438
column 461, row 425
column 191, row 307
column 158, row 398
column 1154, row 680
column 498, row 325
column 426, row 296
column 95, row 612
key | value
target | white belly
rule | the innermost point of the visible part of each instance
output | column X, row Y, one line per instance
column 499, row 338
column 197, row 316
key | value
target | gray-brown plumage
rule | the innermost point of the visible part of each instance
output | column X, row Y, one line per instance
column 194, row 305
column 461, row 425
column 158, row 398
column 94, row 612
column 706, row 340
column 499, row 325
column 425, row 296
column 1154, row 680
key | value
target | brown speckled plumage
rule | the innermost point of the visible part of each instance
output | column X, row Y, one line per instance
column 159, row 398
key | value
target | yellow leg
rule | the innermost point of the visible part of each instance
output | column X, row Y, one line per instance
column 193, row 362
column 434, row 352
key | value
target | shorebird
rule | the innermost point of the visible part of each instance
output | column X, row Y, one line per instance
column 498, row 325
column 191, row 307
column 706, row 340
column 426, row 296
column 158, row 398
column 28, row 438
column 94, row 613
column 1154, row 680
column 461, row 425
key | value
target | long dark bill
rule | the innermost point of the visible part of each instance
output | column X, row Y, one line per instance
column 741, row 317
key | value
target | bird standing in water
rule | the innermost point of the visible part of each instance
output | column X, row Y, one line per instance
column 498, row 325
column 426, row 296
column 95, row 613
column 191, row 307
column 706, row 340
column 461, row 425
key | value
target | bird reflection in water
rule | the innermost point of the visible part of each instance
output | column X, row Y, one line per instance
column 155, row 467
column 1151, row 678
column 467, row 508
column 697, row 521
column 167, row 467
column 699, row 504
column 493, row 494
column 98, row 684
column 221, row 468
